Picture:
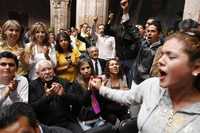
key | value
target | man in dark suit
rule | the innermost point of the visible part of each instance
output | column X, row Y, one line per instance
column 98, row 64
column 51, row 100
column 20, row 118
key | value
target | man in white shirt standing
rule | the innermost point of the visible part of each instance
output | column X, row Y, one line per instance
column 105, row 44
column 13, row 88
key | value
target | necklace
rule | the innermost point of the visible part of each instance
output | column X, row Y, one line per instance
column 13, row 48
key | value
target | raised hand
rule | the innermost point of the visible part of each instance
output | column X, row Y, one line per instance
column 124, row 6
column 95, row 83
column 12, row 85
column 95, row 19
column 110, row 17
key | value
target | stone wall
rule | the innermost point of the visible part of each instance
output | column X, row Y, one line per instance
column 192, row 10
column 87, row 9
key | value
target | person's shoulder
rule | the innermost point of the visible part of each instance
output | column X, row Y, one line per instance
column 54, row 129
column 35, row 82
column 151, row 84
column 63, row 81
column 21, row 78
column 28, row 45
column 153, row 79
column 102, row 60
column 111, row 37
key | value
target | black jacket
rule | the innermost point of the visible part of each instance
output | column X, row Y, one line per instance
column 54, row 110
column 53, row 129
column 127, row 39
column 87, row 112
column 144, row 60
column 102, row 64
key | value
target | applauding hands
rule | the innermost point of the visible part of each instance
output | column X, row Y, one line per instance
column 56, row 89
column 95, row 83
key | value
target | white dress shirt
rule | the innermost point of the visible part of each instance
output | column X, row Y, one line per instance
column 99, row 66
column 19, row 95
column 106, row 46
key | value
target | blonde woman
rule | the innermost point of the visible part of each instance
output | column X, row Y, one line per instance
column 11, row 34
column 39, row 48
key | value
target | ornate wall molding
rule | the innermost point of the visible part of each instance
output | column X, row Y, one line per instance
column 59, row 14
column 192, row 10
column 87, row 9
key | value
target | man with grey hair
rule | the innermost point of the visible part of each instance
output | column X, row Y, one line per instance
column 50, row 98
column 97, row 63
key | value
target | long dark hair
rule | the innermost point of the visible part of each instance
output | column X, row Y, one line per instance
column 107, row 71
column 66, row 38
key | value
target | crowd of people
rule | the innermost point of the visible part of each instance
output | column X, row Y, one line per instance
column 87, row 79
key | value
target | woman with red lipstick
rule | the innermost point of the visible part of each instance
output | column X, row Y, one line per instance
column 170, row 103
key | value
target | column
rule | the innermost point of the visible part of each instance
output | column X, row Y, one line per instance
column 87, row 9
column 59, row 14
column 192, row 10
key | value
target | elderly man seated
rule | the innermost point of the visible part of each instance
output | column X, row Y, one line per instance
column 13, row 88
column 51, row 101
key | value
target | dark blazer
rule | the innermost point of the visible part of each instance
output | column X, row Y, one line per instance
column 102, row 64
column 54, row 129
column 55, row 110
column 142, row 65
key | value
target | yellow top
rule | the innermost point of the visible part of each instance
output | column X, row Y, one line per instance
column 66, row 68
column 22, row 69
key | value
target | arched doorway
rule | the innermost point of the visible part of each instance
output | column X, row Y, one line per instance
column 73, row 14
column 26, row 12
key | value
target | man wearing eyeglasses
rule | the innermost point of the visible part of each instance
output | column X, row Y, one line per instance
column 13, row 88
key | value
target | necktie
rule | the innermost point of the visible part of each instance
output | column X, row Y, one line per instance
column 95, row 104
column 96, row 68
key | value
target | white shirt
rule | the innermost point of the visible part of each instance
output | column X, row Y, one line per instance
column 106, row 46
column 99, row 66
column 19, row 95
column 37, row 56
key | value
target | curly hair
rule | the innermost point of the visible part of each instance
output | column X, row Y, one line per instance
column 107, row 71
column 36, row 27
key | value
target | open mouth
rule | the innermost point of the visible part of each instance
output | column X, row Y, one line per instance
column 149, row 38
column 162, row 74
